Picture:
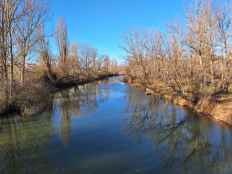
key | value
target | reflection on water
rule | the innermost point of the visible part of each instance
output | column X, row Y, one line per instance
column 109, row 127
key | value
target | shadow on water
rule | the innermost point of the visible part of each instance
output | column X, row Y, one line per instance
column 109, row 127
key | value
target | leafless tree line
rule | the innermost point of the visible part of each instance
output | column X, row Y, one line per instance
column 23, row 40
column 194, row 59
column 19, row 20
column 75, row 60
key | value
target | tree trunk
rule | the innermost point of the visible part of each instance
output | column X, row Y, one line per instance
column 11, row 66
column 23, row 70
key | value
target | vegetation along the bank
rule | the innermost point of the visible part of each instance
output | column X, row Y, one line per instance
column 189, row 65
column 29, row 71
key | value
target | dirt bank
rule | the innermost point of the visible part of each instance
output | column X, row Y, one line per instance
column 218, row 108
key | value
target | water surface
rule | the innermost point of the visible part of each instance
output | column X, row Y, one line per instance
column 112, row 128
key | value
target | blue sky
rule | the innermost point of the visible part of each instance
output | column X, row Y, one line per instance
column 102, row 23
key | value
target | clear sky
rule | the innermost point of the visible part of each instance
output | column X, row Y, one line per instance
column 102, row 23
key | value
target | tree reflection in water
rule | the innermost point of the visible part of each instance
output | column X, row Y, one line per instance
column 18, row 143
column 76, row 102
column 24, row 141
column 184, row 143
column 88, row 130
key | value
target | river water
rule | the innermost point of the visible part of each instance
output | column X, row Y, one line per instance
column 111, row 128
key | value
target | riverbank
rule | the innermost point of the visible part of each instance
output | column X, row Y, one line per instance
column 218, row 107
column 36, row 97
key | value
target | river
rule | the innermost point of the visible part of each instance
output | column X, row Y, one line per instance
column 111, row 128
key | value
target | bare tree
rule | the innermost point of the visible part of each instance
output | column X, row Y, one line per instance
column 26, row 31
column 74, row 59
column 44, row 53
column 18, row 22
column 62, row 43
column 88, row 56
